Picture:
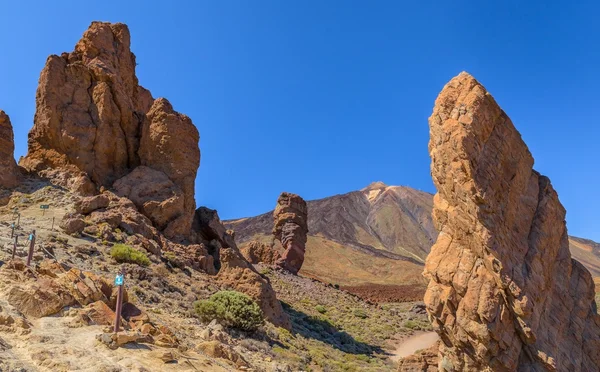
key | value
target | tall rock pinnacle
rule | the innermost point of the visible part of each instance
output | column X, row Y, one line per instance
column 291, row 228
column 8, row 167
column 504, row 293
column 94, row 124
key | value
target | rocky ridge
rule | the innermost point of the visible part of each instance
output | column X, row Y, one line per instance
column 504, row 293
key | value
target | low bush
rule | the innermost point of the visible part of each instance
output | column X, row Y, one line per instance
column 124, row 253
column 412, row 325
column 231, row 309
column 360, row 313
column 321, row 309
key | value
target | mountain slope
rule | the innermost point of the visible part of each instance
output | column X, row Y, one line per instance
column 377, row 236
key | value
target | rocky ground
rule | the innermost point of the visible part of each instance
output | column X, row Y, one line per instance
column 331, row 329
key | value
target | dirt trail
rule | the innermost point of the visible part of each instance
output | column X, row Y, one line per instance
column 419, row 341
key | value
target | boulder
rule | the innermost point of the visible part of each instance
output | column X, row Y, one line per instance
column 72, row 223
column 421, row 361
column 237, row 274
column 85, row 287
column 157, row 197
column 43, row 298
column 8, row 167
column 98, row 313
column 291, row 228
column 116, row 340
column 216, row 349
column 89, row 204
column 504, row 293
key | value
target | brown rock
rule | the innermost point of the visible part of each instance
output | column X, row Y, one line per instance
column 94, row 124
column 98, row 313
column 85, row 287
column 236, row 273
column 50, row 268
column 170, row 144
column 72, row 223
column 195, row 256
column 164, row 356
column 208, row 226
column 165, row 340
column 89, row 204
column 157, row 197
column 43, row 298
column 216, row 349
column 504, row 293
column 290, row 229
column 8, row 166
column 115, row 340
column 90, row 108
column 257, row 252
column 422, row 361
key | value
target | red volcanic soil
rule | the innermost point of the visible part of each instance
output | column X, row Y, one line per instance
column 380, row 293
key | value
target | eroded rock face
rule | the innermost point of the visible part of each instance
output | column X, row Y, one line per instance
column 504, row 293
column 290, row 229
column 94, row 124
column 258, row 252
column 157, row 197
column 236, row 273
column 8, row 166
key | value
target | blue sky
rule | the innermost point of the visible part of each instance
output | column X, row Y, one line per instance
column 325, row 97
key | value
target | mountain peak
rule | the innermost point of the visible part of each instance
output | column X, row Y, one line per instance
column 375, row 185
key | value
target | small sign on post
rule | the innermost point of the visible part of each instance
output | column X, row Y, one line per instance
column 44, row 207
column 31, row 245
column 12, row 232
column 119, row 282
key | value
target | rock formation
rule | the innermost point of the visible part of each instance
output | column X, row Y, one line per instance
column 504, row 293
column 258, row 252
column 291, row 228
column 236, row 273
column 94, row 124
column 8, row 166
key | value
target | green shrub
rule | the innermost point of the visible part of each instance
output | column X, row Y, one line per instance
column 411, row 325
column 360, row 313
column 124, row 253
column 231, row 309
column 321, row 309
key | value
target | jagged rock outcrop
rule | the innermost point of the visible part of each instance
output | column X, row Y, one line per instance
column 258, row 252
column 8, row 166
column 155, row 195
column 236, row 273
column 504, row 293
column 94, row 124
column 291, row 228
column 422, row 361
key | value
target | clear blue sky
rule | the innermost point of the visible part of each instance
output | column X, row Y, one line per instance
column 324, row 97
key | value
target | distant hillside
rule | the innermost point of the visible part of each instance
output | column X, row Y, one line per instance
column 379, row 235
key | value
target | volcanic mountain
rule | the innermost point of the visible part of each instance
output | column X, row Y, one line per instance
column 379, row 235
column 374, row 240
